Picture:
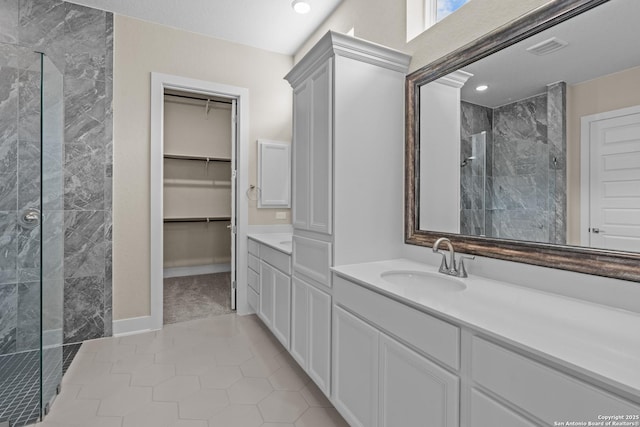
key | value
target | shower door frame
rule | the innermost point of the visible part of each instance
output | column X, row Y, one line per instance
column 38, row 228
column 51, row 353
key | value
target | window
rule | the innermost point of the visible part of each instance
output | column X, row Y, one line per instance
column 422, row 14
column 444, row 8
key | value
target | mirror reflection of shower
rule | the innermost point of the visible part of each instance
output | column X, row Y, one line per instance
column 466, row 161
column 473, row 178
column 513, row 170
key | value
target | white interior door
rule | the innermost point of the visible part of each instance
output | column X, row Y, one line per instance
column 234, row 179
column 614, row 183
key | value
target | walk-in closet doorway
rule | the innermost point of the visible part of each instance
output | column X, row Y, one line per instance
column 198, row 222
column 199, row 206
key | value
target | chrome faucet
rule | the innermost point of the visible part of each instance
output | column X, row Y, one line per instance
column 450, row 268
column 444, row 267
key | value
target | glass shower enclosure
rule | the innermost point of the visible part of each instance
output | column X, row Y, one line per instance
column 473, row 186
column 31, row 234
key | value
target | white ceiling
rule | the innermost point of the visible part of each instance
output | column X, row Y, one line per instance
column 602, row 41
column 266, row 24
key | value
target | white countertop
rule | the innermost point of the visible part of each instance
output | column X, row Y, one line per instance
column 278, row 241
column 598, row 340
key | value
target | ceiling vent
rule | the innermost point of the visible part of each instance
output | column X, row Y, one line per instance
column 548, row 46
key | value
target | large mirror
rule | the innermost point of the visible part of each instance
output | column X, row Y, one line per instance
column 525, row 145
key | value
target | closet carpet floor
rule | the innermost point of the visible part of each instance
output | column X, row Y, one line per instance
column 196, row 297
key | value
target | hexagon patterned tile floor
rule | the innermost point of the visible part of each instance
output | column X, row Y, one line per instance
column 224, row 371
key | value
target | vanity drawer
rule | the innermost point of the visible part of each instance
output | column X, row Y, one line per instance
column 277, row 259
column 254, row 247
column 254, row 263
column 252, row 299
column 253, row 279
column 487, row 412
column 312, row 258
column 538, row 389
column 434, row 337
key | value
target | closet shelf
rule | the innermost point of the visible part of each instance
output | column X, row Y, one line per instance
column 199, row 219
column 199, row 158
column 199, row 98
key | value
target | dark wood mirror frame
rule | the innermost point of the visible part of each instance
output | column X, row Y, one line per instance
column 615, row 264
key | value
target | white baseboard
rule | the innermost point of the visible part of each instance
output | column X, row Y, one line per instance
column 134, row 325
column 195, row 270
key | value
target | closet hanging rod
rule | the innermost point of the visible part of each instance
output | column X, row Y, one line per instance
column 199, row 219
column 199, row 158
column 198, row 98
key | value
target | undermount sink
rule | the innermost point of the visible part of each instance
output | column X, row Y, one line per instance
column 432, row 281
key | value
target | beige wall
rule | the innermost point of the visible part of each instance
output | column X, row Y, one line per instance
column 189, row 131
column 612, row 92
column 383, row 21
column 140, row 48
column 196, row 244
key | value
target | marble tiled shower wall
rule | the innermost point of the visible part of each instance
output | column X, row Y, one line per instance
column 526, row 168
column 79, row 41
column 520, row 179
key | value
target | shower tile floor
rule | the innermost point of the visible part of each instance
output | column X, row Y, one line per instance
column 224, row 371
column 20, row 387
column 20, row 382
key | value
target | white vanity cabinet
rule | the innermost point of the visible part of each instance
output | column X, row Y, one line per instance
column 379, row 380
column 273, row 278
column 396, row 365
column 348, row 122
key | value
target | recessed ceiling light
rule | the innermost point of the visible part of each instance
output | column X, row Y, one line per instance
column 482, row 88
column 301, row 6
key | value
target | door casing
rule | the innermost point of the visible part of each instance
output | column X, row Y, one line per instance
column 159, row 83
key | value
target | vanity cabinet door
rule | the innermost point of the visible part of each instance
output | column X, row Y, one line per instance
column 413, row 390
column 355, row 369
column 311, row 332
column 312, row 152
column 320, row 207
column 319, row 309
column 299, row 321
column 267, row 289
column 281, row 306
column 301, row 146
column 275, row 301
